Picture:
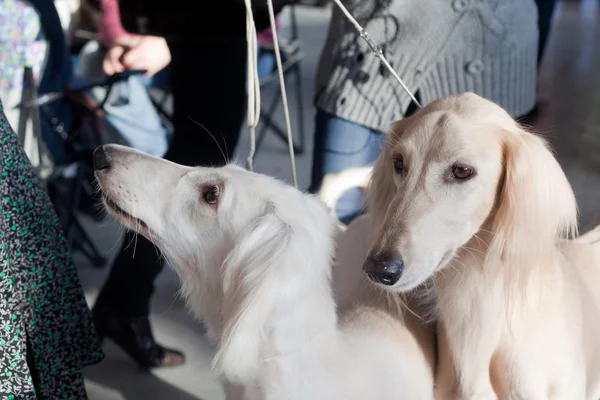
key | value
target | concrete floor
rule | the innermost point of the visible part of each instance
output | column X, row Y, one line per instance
column 569, row 116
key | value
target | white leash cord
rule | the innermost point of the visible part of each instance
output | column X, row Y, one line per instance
column 286, row 111
column 253, row 83
column 376, row 50
column 254, row 86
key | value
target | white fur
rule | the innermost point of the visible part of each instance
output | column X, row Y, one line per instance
column 256, row 268
column 518, row 302
column 335, row 184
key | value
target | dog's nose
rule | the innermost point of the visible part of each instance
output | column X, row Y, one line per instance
column 101, row 158
column 386, row 272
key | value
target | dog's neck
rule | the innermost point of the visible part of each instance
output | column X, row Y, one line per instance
column 298, row 334
column 482, row 299
column 293, row 331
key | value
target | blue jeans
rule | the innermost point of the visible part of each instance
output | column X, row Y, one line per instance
column 130, row 110
column 339, row 145
column 266, row 62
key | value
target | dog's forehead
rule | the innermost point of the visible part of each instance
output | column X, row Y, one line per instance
column 444, row 136
column 429, row 130
column 224, row 173
column 468, row 105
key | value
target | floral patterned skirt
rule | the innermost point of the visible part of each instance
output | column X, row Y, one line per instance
column 46, row 331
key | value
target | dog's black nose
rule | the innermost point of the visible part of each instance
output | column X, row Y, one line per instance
column 386, row 272
column 101, row 158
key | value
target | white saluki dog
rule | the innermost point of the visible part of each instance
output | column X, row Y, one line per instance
column 465, row 198
column 254, row 257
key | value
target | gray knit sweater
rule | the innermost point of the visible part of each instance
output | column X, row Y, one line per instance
column 438, row 47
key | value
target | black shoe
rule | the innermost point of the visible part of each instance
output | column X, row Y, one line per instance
column 134, row 336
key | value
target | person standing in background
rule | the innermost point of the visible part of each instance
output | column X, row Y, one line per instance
column 439, row 48
column 205, row 44
column 546, row 12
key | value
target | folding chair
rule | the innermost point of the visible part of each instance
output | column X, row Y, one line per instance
column 291, row 57
column 70, row 185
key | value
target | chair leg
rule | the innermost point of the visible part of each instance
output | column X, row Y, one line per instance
column 84, row 243
column 265, row 126
column 300, row 108
column 82, row 240
column 268, row 122
column 65, row 202
column 281, row 133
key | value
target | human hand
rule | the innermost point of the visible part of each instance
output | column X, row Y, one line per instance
column 112, row 60
column 137, row 52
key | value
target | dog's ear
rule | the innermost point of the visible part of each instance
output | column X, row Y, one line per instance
column 252, row 280
column 536, row 205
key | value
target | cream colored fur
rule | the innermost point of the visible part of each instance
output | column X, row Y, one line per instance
column 518, row 301
column 255, row 266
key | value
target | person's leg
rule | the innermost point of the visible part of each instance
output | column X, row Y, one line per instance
column 123, row 305
column 209, row 100
column 545, row 13
column 341, row 144
column 209, row 96
column 266, row 62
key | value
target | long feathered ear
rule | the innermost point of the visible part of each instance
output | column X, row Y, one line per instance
column 252, row 281
column 536, row 205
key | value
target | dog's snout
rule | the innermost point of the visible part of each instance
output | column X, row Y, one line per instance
column 386, row 272
column 102, row 158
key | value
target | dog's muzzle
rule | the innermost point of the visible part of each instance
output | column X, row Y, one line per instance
column 385, row 272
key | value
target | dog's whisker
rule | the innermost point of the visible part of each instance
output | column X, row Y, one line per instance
column 135, row 240
column 225, row 157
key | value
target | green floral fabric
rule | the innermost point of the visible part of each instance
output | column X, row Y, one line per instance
column 46, row 331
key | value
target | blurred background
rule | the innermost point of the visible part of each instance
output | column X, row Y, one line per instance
column 566, row 111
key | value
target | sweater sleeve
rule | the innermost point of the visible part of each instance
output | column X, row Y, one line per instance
column 110, row 27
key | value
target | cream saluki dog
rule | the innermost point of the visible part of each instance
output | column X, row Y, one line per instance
column 254, row 258
column 466, row 199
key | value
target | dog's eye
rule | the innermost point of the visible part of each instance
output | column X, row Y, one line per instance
column 210, row 194
column 399, row 163
column 461, row 172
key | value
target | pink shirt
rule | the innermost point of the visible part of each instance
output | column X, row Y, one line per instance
column 265, row 36
column 110, row 27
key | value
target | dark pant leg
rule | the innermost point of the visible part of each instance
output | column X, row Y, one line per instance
column 208, row 83
column 210, row 106
column 130, row 283
column 545, row 13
